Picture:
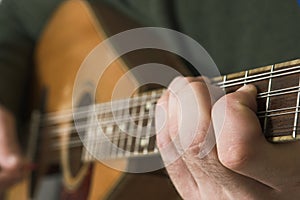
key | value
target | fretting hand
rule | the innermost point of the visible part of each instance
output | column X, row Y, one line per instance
column 242, row 164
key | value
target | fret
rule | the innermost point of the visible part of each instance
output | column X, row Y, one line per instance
column 223, row 82
column 109, row 130
column 102, row 141
column 149, row 129
column 139, row 129
column 89, row 139
column 131, row 128
column 117, row 113
column 281, row 123
column 230, row 85
column 294, row 134
column 124, row 129
column 121, row 127
column 143, row 144
column 122, row 139
column 113, row 137
column 245, row 77
column 268, row 101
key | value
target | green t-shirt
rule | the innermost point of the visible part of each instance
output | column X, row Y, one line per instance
column 237, row 34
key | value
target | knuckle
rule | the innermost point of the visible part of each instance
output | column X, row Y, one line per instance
column 233, row 103
column 235, row 158
column 232, row 99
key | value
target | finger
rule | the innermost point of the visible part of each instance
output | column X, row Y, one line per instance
column 184, row 115
column 176, row 102
column 180, row 82
column 175, row 166
column 243, row 148
column 193, row 113
column 209, row 164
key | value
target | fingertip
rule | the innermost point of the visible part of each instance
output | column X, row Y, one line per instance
column 246, row 96
column 249, row 88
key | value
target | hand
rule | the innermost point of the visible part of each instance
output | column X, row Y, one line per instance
column 11, row 161
column 242, row 164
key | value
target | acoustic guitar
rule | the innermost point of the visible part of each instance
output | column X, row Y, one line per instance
column 74, row 30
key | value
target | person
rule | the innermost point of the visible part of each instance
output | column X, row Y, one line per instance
column 238, row 35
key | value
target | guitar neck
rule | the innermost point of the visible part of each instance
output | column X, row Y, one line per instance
column 277, row 99
column 127, row 126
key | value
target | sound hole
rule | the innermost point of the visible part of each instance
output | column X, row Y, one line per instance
column 75, row 145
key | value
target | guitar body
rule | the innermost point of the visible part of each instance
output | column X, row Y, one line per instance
column 69, row 37
column 72, row 33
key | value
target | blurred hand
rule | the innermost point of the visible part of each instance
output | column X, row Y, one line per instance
column 11, row 161
column 242, row 164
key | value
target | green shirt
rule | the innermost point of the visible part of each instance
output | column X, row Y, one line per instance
column 237, row 34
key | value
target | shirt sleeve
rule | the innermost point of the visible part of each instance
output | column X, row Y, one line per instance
column 21, row 24
column 15, row 58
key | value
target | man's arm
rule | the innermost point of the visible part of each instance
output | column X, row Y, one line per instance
column 242, row 165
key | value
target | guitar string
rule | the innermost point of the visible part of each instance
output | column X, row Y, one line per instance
column 128, row 116
column 111, row 110
column 277, row 110
column 79, row 142
column 104, row 106
column 259, row 96
column 54, row 131
column 75, row 143
column 278, row 92
column 58, row 115
column 112, row 135
column 74, row 129
column 71, row 129
column 275, row 73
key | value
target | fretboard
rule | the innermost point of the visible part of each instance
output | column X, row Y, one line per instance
column 128, row 125
column 278, row 97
